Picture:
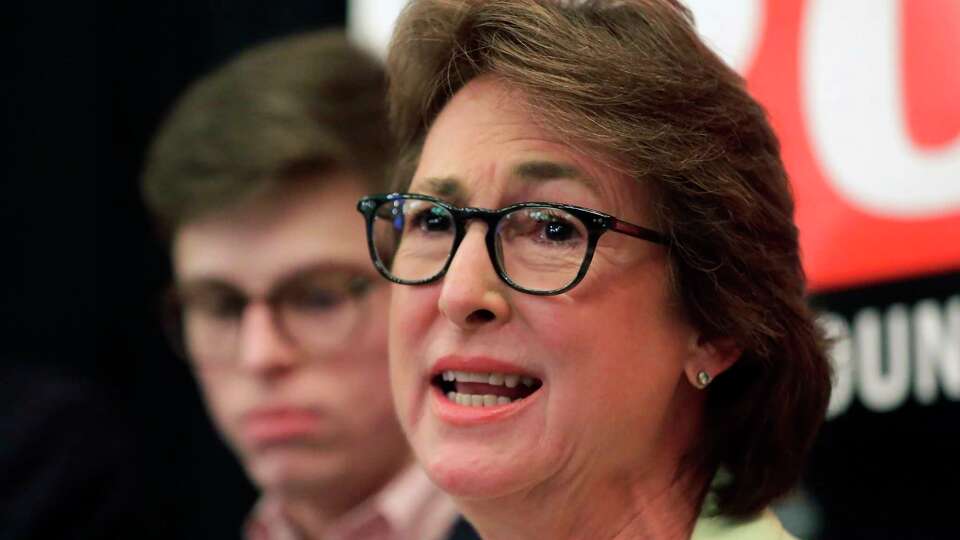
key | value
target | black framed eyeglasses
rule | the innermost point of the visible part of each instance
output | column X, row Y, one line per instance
column 535, row 247
column 314, row 310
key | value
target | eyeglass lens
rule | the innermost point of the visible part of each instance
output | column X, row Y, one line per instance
column 539, row 248
column 312, row 311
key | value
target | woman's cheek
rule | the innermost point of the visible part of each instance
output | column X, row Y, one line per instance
column 556, row 325
column 412, row 311
column 409, row 324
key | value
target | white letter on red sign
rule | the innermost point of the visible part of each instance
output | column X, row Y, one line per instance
column 852, row 73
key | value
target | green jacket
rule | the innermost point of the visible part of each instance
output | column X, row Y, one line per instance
column 765, row 526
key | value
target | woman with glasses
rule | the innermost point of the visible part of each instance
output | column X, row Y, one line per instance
column 600, row 328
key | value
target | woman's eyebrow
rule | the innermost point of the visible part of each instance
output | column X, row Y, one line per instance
column 452, row 190
column 541, row 170
column 448, row 188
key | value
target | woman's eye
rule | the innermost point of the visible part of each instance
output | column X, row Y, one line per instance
column 434, row 219
column 558, row 232
column 554, row 228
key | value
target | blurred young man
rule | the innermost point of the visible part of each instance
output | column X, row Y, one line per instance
column 255, row 177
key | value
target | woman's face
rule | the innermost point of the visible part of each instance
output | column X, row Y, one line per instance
column 607, row 359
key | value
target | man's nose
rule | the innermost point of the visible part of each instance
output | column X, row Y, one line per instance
column 263, row 346
column 473, row 295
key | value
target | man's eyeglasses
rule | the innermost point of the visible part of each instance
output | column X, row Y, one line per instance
column 314, row 311
column 535, row 247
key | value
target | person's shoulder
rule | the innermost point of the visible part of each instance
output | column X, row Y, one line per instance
column 764, row 526
column 462, row 530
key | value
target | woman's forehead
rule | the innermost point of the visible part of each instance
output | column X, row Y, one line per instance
column 524, row 175
column 487, row 139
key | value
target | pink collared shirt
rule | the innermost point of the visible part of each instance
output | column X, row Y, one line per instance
column 410, row 507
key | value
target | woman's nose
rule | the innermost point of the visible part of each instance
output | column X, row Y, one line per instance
column 472, row 295
column 263, row 347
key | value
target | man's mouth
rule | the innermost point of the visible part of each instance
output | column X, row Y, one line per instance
column 485, row 389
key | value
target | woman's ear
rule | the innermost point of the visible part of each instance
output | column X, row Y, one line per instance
column 709, row 358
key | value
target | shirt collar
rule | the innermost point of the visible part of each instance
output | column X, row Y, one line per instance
column 408, row 507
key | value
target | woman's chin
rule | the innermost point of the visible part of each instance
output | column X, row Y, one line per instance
column 481, row 453
column 473, row 480
column 474, row 470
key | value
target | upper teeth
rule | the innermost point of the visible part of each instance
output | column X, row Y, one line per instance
column 496, row 379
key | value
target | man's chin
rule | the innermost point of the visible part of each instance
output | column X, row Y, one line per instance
column 295, row 470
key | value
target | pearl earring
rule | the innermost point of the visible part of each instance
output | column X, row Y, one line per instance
column 703, row 378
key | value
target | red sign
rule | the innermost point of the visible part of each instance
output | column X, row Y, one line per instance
column 865, row 96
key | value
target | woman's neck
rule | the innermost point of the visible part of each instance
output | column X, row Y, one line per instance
column 654, row 507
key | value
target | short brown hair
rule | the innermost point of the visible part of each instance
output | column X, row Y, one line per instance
column 632, row 81
column 303, row 104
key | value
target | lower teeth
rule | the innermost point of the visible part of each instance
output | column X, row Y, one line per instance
column 477, row 400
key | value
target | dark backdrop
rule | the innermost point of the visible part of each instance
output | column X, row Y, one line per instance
column 85, row 87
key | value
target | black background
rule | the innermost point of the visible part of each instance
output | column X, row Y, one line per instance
column 85, row 86
column 889, row 475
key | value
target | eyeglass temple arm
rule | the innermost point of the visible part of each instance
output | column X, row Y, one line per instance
column 639, row 232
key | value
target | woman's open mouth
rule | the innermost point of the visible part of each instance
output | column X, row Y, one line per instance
column 484, row 389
